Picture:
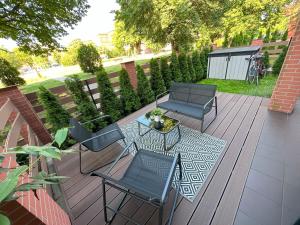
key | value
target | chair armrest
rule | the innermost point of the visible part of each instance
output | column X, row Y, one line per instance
column 114, row 130
column 161, row 94
column 206, row 104
column 99, row 117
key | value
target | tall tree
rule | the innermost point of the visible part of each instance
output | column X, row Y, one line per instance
column 70, row 55
column 9, row 75
column 129, row 99
column 175, row 69
column 36, row 26
column 197, row 65
column 170, row 21
column 109, row 102
column 165, row 72
column 144, row 90
column 156, row 80
column 89, row 58
column 191, row 69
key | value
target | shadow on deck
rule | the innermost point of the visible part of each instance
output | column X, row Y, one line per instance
column 239, row 122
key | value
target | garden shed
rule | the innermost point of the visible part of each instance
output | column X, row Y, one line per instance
column 230, row 63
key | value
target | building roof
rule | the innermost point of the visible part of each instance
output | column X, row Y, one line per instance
column 235, row 50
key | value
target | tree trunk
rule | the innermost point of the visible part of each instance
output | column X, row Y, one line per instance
column 175, row 48
column 137, row 47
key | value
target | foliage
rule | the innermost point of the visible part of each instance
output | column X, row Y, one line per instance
column 264, row 89
column 268, row 36
column 11, row 185
column 156, row 80
column 85, row 107
column 275, row 36
column 174, row 22
column 56, row 115
column 110, row 104
column 175, row 69
column 204, row 61
column 197, row 65
column 156, row 112
column 126, row 37
column 144, row 90
column 191, row 69
column 129, row 99
column 266, row 59
column 183, row 64
column 9, row 75
column 226, row 41
column 89, row 58
column 165, row 72
column 36, row 26
column 279, row 61
column 69, row 56
column 285, row 35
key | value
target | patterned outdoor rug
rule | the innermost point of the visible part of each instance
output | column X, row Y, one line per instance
column 199, row 153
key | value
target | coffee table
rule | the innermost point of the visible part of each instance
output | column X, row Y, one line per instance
column 167, row 127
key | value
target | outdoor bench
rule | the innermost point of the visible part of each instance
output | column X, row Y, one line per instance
column 193, row 100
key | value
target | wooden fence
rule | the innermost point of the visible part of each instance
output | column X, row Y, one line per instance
column 274, row 48
column 66, row 100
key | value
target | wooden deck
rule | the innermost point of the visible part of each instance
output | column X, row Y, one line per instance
column 239, row 122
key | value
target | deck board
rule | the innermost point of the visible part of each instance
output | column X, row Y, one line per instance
column 239, row 122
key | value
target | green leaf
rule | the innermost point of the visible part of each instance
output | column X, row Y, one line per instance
column 1, row 158
column 28, row 187
column 61, row 136
column 7, row 187
column 4, row 220
column 47, row 151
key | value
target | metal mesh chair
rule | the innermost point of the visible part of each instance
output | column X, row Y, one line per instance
column 148, row 177
column 97, row 141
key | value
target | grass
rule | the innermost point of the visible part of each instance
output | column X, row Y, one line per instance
column 50, row 83
column 264, row 88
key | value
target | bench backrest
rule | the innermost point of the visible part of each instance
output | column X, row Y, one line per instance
column 80, row 133
column 198, row 94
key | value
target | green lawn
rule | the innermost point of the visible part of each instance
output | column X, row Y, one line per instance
column 50, row 83
column 264, row 88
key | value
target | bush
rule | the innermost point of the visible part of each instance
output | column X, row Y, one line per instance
column 197, row 65
column 268, row 36
column 157, row 83
column 279, row 61
column 174, row 67
column 9, row 75
column 183, row 64
column 129, row 99
column 165, row 72
column 144, row 90
column 109, row 102
column 89, row 58
column 285, row 35
column 191, row 69
column 266, row 59
column 204, row 59
column 85, row 106
column 55, row 114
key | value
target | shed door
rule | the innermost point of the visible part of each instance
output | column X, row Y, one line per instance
column 237, row 67
column 217, row 67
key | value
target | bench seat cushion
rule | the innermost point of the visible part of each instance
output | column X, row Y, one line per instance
column 183, row 108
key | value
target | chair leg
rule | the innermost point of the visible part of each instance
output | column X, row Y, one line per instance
column 160, row 216
column 104, row 201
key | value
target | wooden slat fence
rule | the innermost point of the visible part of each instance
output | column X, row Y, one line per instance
column 274, row 48
column 65, row 99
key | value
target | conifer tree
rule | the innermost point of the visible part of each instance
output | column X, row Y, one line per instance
column 55, row 114
column 86, row 108
column 129, row 99
column 197, row 65
column 266, row 59
column 203, row 58
column 279, row 61
column 144, row 90
column 183, row 64
column 165, row 72
column 109, row 102
column 191, row 69
column 157, row 83
column 174, row 67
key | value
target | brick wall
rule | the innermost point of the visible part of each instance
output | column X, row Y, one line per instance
column 25, row 108
column 257, row 42
column 287, row 89
column 130, row 68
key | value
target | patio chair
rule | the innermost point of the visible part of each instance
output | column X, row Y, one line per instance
column 148, row 177
column 97, row 141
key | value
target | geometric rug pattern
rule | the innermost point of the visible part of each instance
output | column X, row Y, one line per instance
column 199, row 153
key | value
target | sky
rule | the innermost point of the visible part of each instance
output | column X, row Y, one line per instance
column 99, row 19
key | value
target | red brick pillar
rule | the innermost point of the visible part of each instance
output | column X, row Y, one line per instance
column 257, row 42
column 26, row 110
column 287, row 89
column 130, row 68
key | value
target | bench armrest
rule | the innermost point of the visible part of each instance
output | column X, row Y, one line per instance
column 99, row 117
column 158, row 96
column 108, row 132
column 212, row 99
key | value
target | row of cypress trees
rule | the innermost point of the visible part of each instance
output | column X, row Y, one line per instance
column 182, row 68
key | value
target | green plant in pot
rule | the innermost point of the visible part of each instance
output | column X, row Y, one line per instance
column 10, row 185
